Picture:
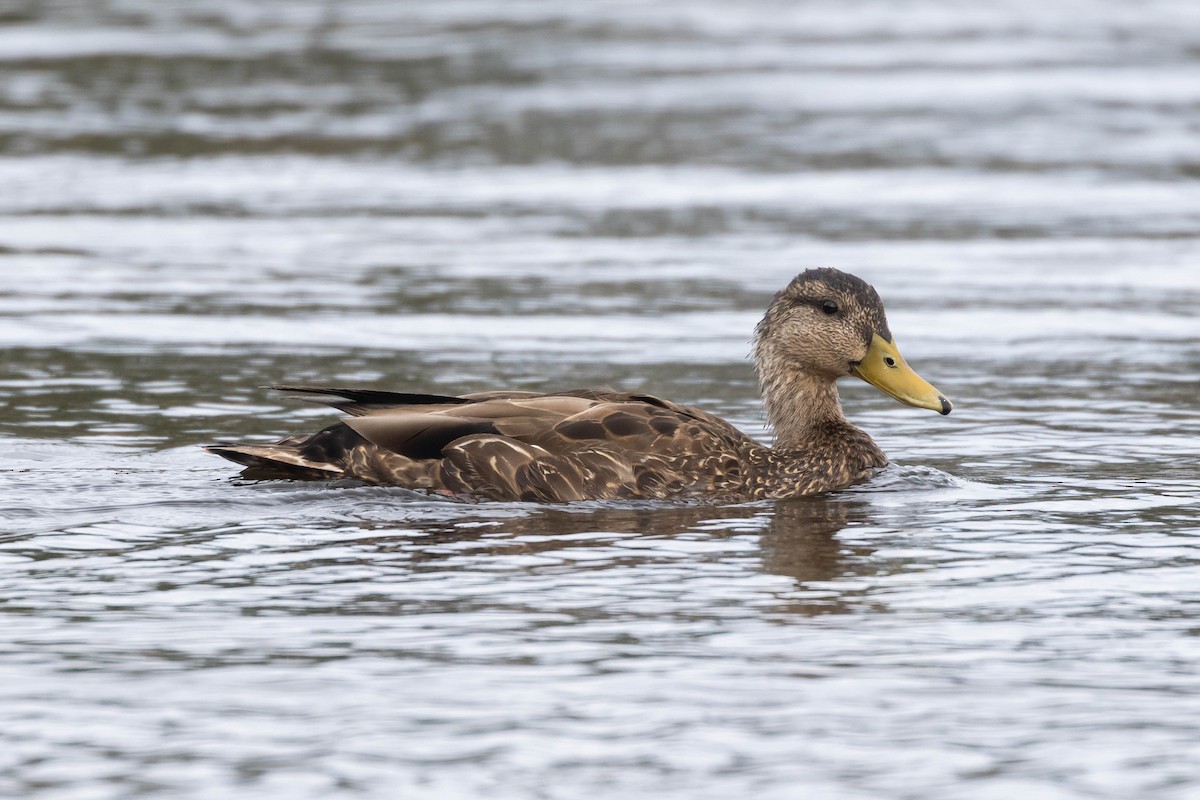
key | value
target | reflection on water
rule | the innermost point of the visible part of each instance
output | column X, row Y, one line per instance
column 203, row 198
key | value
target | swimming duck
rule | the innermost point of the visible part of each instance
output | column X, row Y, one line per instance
column 597, row 444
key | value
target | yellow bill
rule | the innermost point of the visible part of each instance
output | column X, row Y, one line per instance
column 884, row 368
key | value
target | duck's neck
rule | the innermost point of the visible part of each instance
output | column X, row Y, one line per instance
column 801, row 407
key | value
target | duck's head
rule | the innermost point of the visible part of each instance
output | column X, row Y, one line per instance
column 827, row 324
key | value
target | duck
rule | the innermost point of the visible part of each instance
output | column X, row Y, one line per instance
column 605, row 444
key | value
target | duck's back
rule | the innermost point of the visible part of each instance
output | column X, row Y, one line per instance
column 575, row 445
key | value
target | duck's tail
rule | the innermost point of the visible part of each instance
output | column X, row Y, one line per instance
column 285, row 459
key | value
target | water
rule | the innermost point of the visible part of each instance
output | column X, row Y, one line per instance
column 200, row 198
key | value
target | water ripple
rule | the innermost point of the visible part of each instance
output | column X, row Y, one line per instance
column 203, row 198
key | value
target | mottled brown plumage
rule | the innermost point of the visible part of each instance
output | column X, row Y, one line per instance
column 597, row 444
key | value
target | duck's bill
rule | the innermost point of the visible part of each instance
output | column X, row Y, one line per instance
column 884, row 368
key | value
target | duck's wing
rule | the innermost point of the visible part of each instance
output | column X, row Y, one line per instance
column 580, row 444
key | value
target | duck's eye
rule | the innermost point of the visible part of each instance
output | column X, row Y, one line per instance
column 829, row 307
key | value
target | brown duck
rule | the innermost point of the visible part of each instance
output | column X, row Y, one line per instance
column 597, row 444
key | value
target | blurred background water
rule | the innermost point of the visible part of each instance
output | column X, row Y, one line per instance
column 197, row 198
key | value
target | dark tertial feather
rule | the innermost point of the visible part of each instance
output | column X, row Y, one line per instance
column 362, row 401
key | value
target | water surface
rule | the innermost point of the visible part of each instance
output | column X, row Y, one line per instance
column 203, row 198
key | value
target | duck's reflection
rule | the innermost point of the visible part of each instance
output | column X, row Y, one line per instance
column 797, row 538
column 801, row 540
column 803, row 543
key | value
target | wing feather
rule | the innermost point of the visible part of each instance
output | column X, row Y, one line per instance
column 511, row 445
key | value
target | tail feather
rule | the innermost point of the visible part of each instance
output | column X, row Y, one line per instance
column 275, row 458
